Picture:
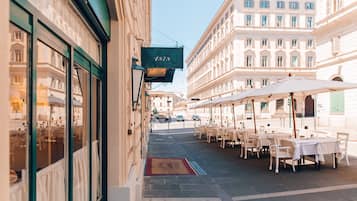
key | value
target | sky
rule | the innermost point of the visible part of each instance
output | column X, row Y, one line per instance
column 180, row 22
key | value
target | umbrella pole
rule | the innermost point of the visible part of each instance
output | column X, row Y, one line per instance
column 210, row 114
column 293, row 110
column 255, row 123
column 220, row 109
column 234, row 116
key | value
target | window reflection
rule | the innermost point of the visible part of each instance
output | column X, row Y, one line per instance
column 51, row 124
column 96, row 140
column 81, row 131
column 18, row 113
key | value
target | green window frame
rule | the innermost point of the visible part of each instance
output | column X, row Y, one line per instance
column 29, row 19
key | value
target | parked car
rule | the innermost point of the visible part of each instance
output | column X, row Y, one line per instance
column 196, row 118
column 180, row 118
column 162, row 118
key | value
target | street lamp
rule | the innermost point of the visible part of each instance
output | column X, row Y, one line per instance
column 137, row 75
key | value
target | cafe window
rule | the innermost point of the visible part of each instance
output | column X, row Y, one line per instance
column 60, row 101
column 18, row 118
column 51, row 119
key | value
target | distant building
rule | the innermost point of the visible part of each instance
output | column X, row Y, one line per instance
column 251, row 44
column 180, row 108
column 163, row 103
column 336, row 49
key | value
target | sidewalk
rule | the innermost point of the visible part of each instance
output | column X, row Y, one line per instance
column 232, row 178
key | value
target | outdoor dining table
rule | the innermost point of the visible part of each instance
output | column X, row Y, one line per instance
column 267, row 139
column 317, row 147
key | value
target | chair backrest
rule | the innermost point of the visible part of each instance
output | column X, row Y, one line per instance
column 342, row 138
column 249, row 140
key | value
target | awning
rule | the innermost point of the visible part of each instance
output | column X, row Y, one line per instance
column 161, row 62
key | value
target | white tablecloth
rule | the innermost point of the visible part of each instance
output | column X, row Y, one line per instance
column 312, row 146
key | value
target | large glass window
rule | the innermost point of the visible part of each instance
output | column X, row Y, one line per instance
column 51, row 125
column 18, row 117
column 96, row 139
column 80, row 83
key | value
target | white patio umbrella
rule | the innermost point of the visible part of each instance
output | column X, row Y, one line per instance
column 298, row 86
column 238, row 98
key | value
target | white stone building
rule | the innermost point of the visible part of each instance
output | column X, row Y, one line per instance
column 253, row 43
column 336, row 50
column 163, row 102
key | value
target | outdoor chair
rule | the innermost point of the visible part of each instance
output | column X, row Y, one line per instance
column 198, row 131
column 227, row 137
column 278, row 153
column 219, row 135
column 342, row 139
column 250, row 143
column 211, row 133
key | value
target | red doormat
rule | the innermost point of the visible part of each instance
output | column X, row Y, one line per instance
column 168, row 166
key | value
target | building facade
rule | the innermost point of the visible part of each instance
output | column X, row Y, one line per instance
column 163, row 103
column 64, row 137
column 336, row 49
column 251, row 44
